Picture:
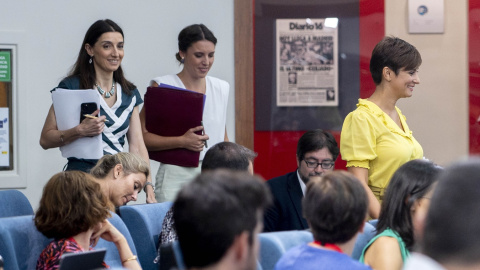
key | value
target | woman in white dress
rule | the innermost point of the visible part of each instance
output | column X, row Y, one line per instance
column 196, row 51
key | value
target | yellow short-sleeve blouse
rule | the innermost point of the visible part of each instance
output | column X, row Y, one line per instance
column 371, row 139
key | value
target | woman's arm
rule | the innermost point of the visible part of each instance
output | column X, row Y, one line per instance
column 373, row 204
column 52, row 137
column 137, row 146
column 111, row 234
column 189, row 140
column 384, row 254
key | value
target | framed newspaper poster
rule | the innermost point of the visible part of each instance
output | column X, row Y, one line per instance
column 306, row 62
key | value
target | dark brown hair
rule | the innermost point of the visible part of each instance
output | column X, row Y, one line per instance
column 192, row 34
column 213, row 209
column 86, row 71
column 335, row 207
column 395, row 54
column 410, row 182
column 72, row 202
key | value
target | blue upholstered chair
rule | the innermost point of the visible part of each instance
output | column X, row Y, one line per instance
column 274, row 244
column 20, row 242
column 369, row 232
column 144, row 221
column 373, row 222
column 112, row 258
column 13, row 203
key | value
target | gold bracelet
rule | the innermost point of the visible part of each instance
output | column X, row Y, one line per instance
column 134, row 257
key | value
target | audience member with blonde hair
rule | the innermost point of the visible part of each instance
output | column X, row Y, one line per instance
column 73, row 210
column 121, row 176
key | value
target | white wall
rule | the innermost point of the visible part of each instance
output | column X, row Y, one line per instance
column 438, row 111
column 51, row 35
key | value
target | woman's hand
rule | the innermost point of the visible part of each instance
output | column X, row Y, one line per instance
column 107, row 232
column 52, row 137
column 192, row 141
column 92, row 127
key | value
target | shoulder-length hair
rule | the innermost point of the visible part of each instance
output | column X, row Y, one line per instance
column 72, row 202
column 86, row 71
column 412, row 181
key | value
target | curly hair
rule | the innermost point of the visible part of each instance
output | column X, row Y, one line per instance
column 72, row 202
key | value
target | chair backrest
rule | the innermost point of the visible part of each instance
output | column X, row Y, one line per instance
column 112, row 258
column 274, row 244
column 171, row 257
column 14, row 203
column 145, row 224
column 20, row 242
column 369, row 232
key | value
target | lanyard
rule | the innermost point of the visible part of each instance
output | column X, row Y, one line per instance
column 328, row 246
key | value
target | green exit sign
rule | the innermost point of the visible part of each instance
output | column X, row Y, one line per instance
column 5, row 67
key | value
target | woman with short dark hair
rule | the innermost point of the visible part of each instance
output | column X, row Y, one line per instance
column 375, row 138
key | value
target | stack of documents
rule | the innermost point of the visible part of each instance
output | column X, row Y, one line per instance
column 66, row 103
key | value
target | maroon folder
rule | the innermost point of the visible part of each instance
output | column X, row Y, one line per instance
column 170, row 111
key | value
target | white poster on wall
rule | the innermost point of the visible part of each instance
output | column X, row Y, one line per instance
column 4, row 138
column 425, row 16
column 306, row 62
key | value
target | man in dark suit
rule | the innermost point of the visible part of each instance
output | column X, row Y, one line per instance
column 317, row 151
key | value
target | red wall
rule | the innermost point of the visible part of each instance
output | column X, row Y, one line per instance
column 474, row 75
column 276, row 150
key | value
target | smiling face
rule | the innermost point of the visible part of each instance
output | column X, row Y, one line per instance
column 125, row 188
column 107, row 52
column 404, row 82
column 198, row 59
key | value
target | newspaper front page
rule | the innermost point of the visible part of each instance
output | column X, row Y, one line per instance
column 306, row 62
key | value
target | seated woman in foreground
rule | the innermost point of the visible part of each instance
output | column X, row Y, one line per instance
column 409, row 191
column 74, row 211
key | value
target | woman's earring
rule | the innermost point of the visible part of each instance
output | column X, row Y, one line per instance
column 183, row 60
column 90, row 61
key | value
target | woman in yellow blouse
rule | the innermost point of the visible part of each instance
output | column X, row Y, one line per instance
column 375, row 138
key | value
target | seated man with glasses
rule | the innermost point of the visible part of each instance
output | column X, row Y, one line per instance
column 317, row 151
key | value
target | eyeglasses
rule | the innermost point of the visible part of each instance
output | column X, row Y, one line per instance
column 324, row 165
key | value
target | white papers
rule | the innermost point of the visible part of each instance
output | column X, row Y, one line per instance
column 4, row 138
column 66, row 104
